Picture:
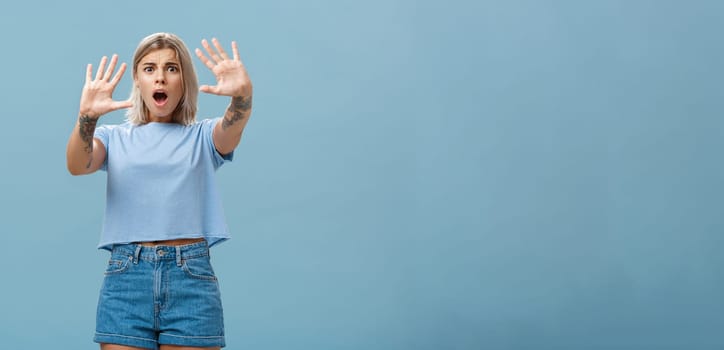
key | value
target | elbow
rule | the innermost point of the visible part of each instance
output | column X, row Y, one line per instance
column 224, row 153
column 75, row 170
column 228, row 145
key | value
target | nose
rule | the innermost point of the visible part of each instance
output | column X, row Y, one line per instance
column 160, row 78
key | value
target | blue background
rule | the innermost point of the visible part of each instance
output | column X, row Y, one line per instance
column 415, row 175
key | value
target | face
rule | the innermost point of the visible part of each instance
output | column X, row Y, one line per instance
column 158, row 77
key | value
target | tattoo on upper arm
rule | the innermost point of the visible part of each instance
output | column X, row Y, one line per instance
column 86, row 127
column 239, row 109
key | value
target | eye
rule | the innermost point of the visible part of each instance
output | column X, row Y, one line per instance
column 148, row 69
column 172, row 69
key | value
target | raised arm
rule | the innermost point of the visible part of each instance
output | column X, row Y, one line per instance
column 84, row 153
column 232, row 80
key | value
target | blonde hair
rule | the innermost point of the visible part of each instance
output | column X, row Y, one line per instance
column 185, row 112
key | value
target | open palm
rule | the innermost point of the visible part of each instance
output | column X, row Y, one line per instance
column 231, row 76
column 97, row 96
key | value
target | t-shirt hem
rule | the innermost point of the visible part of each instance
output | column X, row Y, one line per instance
column 211, row 240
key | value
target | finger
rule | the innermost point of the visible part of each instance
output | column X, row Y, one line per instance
column 109, row 72
column 235, row 50
column 210, row 51
column 220, row 49
column 88, row 73
column 119, row 74
column 116, row 105
column 204, row 59
column 209, row 89
column 101, row 67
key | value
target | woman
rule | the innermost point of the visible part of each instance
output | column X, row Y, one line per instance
column 163, row 209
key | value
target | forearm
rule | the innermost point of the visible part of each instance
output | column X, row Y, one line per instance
column 79, row 152
column 227, row 133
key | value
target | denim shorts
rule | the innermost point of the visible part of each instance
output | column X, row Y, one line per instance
column 160, row 295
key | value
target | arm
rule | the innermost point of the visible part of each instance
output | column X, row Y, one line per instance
column 232, row 80
column 227, row 133
column 84, row 153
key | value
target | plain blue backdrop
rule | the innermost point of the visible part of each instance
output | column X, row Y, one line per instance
column 415, row 175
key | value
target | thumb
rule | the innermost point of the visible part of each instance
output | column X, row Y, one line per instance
column 209, row 89
column 121, row 105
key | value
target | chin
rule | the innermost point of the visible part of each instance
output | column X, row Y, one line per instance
column 161, row 114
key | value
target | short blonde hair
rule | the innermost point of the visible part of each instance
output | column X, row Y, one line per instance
column 185, row 112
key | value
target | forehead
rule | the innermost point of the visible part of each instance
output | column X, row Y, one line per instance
column 159, row 57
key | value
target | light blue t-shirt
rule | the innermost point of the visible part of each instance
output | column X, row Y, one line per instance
column 161, row 183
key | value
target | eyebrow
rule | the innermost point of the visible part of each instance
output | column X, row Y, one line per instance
column 170, row 63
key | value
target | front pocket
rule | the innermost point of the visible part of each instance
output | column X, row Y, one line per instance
column 116, row 266
column 199, row 268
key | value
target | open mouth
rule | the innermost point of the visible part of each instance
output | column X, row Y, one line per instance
column 160, row 97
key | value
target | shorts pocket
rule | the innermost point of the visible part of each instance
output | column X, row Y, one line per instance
column 117, row 265
column 199, row 268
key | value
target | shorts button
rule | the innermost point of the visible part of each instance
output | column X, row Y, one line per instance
column 161, row 253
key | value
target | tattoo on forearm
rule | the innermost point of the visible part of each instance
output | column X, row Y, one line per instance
column 239, row 109
column 86, row 127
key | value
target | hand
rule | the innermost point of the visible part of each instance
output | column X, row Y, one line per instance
column 97, row 96
column 231, row 76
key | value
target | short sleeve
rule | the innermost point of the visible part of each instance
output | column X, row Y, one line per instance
column 102, row 133
column 208, row 132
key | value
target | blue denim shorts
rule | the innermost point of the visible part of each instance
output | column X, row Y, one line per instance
column 160, row 295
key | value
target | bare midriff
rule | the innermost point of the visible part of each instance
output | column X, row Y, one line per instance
column 171, row 242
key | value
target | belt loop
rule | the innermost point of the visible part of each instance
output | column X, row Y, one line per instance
column 137, row 254
column 178, row 255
